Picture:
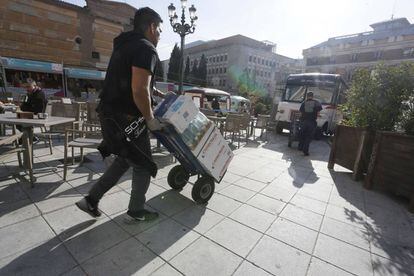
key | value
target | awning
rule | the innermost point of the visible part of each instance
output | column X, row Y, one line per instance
column 31, row 65
column 77, row 73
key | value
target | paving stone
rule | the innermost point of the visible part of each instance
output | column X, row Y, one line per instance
column 165, row 270
column 301, row 216
column 279, row 258
column 215, row 259
column 167, row 238
column 247, row 268
column 114, row 203
column 234, row 236
column 170, row 202
column 47, row 258
column 237, row 193
column 129, row 257
column 319, row 267
column 231, row 177
column 293, row 234
column 250, row 184
column 350, row 215
column 266, row 174
column 11, row 213
column 387, row 267
column 11, row 193
column 253, row 217
column 310, row 204
column 267, row 204
column 77, row 271
column 343, row 255
column 63, row 196
column 16, row 238
column 278, row 193
column 198, row 218
column 346, row 232
column 223, row 204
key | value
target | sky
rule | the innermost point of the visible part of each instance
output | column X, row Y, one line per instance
column 293, row 25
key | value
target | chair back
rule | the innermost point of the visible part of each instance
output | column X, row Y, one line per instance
column 233, row 123
column 64, row 110
column 262, row 121
column 91, row 114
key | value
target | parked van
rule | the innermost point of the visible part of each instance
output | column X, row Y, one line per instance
column 328, row 89
column 203, row 97
column 237, row 102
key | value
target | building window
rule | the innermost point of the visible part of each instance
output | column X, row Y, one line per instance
column 267, row 63
column 224, row 82
column 210, row 59
column 220, row 70
column 378, row 54
column 224, row 70
column 408, row 52
column 221, row 58
column 250, row 58
column 225, row 57
column 214, row 59
column 354, row 57
column 217, row 70
column 95, row 55
column 254, row 59
column 391, row 39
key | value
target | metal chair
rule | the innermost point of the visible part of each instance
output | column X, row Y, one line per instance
column 262, row 124
column 232, row 125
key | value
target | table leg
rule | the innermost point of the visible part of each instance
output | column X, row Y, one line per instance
column 27, row 139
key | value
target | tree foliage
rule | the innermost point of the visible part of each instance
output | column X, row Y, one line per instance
column 174, row 65
column 379, row 99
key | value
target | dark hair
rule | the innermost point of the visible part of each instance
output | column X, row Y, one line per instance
column 310, row 94
column 144, row 17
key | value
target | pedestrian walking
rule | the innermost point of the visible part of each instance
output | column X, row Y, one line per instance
column 309, row 112
column 125, row 108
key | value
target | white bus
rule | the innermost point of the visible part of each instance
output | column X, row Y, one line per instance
column 328, row 89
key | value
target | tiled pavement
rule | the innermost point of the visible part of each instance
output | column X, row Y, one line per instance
column 275, row 213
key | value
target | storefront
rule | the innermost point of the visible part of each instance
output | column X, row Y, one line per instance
column 49, row 76
column 83, row 83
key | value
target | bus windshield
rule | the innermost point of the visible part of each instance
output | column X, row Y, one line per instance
column 296, row 93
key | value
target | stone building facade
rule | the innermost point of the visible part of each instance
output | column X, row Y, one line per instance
column 230, row 58
column 390, row 42
column 56, row 31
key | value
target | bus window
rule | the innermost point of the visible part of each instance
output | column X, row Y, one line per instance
column 323, row 94
column 295, row 93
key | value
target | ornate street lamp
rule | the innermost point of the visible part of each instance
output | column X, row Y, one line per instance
column 183, row 29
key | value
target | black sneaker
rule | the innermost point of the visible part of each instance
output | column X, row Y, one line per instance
column 87, row 206
column 142, row 215
column 306, row 153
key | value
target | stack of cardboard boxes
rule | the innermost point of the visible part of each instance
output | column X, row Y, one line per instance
column 201, row 136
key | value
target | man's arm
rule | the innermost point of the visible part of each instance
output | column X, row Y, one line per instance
column 140, row 84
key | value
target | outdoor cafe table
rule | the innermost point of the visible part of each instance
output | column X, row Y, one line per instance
column 27, row 129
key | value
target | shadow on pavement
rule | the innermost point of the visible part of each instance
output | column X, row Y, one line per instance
column 108, row 254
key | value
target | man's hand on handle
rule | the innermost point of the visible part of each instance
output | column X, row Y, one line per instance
column 155, row 124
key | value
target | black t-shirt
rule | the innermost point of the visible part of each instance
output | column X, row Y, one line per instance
column 35, row 102
column 310, row 109
column 130, row 49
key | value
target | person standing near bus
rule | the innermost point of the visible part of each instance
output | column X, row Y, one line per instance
column 309, row 110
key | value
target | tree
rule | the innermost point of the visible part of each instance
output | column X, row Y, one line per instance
column 202, row 71
column 174, row 65
column 187, row 70
column 377, row 98
column 159, row 71
column 194, row 73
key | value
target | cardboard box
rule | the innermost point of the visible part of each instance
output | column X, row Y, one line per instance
column 180, row 113
column 215, row 156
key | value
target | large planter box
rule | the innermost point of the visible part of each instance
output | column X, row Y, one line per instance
column 392, row 164
column 351, row 148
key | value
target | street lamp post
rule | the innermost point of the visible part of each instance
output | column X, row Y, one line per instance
column 183, row 29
